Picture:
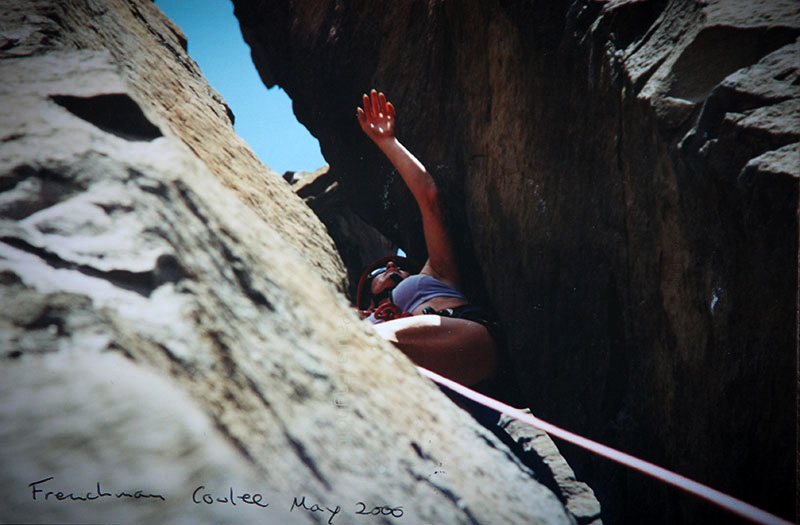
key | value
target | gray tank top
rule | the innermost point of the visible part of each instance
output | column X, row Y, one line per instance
column 416, row 289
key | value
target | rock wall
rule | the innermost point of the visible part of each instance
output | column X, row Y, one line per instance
column 358, row 243
column 622, row 181
column 175, row 345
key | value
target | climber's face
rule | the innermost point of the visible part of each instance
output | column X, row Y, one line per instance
column 388, row 278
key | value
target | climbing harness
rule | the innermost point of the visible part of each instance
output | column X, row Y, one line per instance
column 736, row 506
column 470, row 312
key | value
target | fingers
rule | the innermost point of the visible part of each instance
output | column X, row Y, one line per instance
column 375, row 108
column 367, row 106
column 382, row 103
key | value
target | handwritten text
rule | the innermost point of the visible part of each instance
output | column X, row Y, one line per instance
column 383, row 510
column 204, row 497
column 315, row 508
column 39, row 494
column 200, row 495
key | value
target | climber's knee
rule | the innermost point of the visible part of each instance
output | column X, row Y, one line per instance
column 456, row 348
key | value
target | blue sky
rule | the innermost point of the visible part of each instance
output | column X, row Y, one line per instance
column 264, row 118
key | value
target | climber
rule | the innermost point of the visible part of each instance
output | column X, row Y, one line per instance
column 424, row 315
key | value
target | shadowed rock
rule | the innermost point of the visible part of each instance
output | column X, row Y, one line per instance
column 357, row 242
column 618, row 178
column 114, row 113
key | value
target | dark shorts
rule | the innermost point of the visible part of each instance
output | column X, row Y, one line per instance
column 470, row 312
column 480, row 315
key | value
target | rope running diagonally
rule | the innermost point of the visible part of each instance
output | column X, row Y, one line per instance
column 736, row 506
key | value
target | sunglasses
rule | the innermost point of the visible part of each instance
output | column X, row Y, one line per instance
column 377, row 271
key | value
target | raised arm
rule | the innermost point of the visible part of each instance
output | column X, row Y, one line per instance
column 377, row 119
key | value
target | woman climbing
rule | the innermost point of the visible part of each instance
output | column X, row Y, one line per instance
column 424, row 315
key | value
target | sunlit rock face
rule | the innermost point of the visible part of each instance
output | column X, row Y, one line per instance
column 175, row 341
column 622, row 181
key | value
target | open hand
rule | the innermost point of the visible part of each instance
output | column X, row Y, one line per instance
column 377, row 117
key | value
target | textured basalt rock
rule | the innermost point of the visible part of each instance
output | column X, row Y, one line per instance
column 357, row 242
column 622, row 181
column 173, row 334
column 539, row 451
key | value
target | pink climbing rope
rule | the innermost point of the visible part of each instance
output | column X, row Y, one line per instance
column 736, row 506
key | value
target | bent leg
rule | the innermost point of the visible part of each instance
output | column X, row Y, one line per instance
column 458, row 349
